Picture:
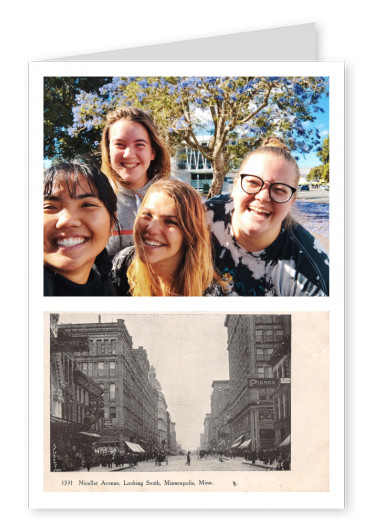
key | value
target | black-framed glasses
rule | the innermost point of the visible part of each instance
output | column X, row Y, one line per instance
column 279, row 192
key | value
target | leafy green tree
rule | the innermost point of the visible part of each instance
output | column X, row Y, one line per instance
column 315, row 174
column 59, row 98
column 319, row 173
column 235, row 111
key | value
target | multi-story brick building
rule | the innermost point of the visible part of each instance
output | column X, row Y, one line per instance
column 121, row 371
column 162, row 413
column 207, row 432
column 280, row 363
column 219, row 402
column 252, row 340
column 76, row 401
column 172, row 441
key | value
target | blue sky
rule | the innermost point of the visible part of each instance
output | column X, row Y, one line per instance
column 322, row 123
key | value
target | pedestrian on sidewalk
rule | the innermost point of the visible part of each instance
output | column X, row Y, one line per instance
column 189, row 458
column 88, row 462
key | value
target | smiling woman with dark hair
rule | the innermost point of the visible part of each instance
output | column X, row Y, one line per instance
column 259, row 248
column 79, row 212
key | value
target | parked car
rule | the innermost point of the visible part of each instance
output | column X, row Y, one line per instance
column 304, row 187
column 324, row 187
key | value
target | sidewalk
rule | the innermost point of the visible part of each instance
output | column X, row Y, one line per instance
column 261, row 464
column 100, row 468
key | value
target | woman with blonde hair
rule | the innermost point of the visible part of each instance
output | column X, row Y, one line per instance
column 172, row 254
column 134, row 156
column 259, row 248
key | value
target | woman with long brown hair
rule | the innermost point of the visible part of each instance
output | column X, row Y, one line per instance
column 134, row 156
column 172, row 254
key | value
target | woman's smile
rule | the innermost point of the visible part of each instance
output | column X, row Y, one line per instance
column 131, row 152
column 257, row 219
column 152, row 243
column 76, row 230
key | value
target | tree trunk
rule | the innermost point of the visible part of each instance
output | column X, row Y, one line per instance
column 220, row 168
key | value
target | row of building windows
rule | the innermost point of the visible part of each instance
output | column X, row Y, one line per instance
column 102, row 346
column 264, row 372
column 110, row 412
column 111, row 389
column 266, row 393
column 102, row 368
column 268, row 319
column 282, row 370
column 269, row 336
column 283, row 407
column 82, row 395
column 264, row 354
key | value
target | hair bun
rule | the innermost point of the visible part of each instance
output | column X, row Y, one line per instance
column 273, row 141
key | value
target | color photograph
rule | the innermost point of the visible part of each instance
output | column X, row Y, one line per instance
column 186, row 186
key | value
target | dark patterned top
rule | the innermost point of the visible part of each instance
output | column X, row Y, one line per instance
column 295, row 264
column 122, row 261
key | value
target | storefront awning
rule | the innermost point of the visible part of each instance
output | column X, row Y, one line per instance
column 89, row 434
column 134, row 447
column 58, row 420
column 286, row 441
column 140, row 449
column 238, row 441
column 245, row 444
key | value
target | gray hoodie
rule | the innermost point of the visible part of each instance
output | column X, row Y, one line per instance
column 128, row 204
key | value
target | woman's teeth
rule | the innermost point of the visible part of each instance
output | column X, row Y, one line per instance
column 153, row 244
column 69, row 242
column 259, row 211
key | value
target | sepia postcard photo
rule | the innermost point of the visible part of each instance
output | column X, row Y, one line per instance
column 206, row 402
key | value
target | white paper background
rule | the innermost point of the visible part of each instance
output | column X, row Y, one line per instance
column 42, row 29
column 334, row 303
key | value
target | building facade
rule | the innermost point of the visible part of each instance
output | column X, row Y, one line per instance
column 122, row 373
column 76, row 402
column 252, row 340
column 207, row 432
column 280, row 363
column 162, row 413
column 219, row 403
column 191, row 166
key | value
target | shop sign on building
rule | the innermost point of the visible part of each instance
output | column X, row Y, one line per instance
column 262, row 382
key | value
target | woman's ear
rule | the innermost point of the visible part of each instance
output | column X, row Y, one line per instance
column 112, row 224
column 233, row 187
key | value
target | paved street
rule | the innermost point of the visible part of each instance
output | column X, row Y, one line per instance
column 316, row 196
column 178, row 463
column 311, row 209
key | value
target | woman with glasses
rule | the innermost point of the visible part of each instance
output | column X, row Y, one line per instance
column 259, row 248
